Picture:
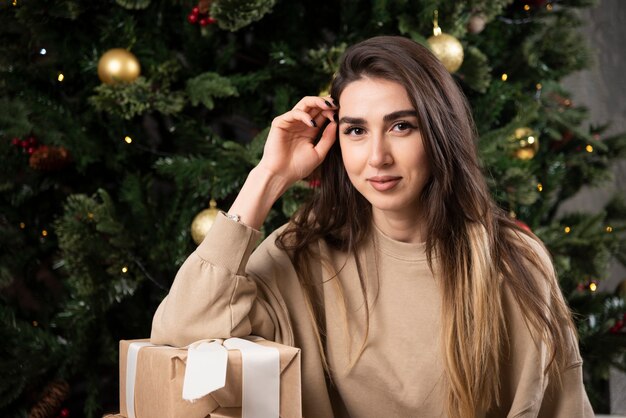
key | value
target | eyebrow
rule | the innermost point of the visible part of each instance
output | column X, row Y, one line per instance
column 387, row 118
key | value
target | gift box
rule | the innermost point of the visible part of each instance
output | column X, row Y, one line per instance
column 159, row 376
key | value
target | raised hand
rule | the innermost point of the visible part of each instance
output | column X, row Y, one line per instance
column 290, row 151
column 290, row 155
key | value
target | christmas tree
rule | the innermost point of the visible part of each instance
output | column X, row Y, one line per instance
column 121, row 120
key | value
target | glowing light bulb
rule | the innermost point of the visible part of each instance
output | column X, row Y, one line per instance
column 589, row 148
column 60, row 77
column 128, row 139
column 567, row 229
column 593, row 287
column 540, row 187
column 43, row 51
column 505, row 77
column 124, row 269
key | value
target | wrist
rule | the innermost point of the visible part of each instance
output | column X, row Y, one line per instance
column 255, row 199
column 273, row 184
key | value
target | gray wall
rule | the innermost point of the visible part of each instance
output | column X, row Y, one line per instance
column 602, row 89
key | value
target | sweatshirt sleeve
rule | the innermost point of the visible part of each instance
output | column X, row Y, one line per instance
column 567, row 399
column 212, row 296
column 527, row 390
column 533, row 394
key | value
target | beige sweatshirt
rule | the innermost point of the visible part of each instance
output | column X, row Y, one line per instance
column 224, row 289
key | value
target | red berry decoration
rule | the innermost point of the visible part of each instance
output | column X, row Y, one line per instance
column 15, row 142
column 65, row 413
column 200, row 14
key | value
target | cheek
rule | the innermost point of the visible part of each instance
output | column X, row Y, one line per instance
column 348, row 157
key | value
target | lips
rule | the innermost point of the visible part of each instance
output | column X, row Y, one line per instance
column 384, row 183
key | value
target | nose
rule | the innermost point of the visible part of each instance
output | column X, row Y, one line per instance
column 380, row 154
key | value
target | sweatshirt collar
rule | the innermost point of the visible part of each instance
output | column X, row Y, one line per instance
column 398, row 249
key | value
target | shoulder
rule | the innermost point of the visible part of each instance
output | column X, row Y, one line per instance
column 529, row 278
column 531, row 245
column 528, row 257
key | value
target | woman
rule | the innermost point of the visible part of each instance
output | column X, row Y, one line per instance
column 409, row 292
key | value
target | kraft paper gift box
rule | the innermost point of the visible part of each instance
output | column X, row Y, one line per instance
column 160, row 374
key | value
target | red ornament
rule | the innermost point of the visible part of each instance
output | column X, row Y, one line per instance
column 566, row 137
column 195, row 11
column 49, row 158
column 204, row 21
column 192, row 18
column 523, row 225
column 65, row 413
column 211, row 20
column 30, row 150
column 314, row 183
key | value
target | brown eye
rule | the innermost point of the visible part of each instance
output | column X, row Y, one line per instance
column 403, row 126
column 354, row 130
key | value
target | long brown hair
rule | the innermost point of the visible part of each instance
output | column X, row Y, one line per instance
column 477, row 248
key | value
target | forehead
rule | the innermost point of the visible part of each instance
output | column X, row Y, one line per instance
column 371, row 96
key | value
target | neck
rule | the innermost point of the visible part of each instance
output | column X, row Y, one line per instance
column 400, row 228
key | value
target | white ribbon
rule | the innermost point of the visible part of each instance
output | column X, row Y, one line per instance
column 206, row 372
column 131, row 373
column 261, row 378
column 206, row 369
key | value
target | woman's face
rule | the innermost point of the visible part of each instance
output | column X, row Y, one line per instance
column 382, row 147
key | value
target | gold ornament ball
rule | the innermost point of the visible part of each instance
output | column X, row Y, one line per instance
column 476, row 23
column 527, row 142
column 203, row 221
column 448, row 49
column 118, row 66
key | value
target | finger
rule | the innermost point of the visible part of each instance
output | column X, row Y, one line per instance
column 286, row 120
column 327, row 140
column 323, row 116
column 309, row 103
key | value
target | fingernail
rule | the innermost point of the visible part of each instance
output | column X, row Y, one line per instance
column 313, row 123
column 328, row 103
column 335, row 117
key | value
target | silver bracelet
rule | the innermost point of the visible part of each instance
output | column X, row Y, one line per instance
column 235, row 218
